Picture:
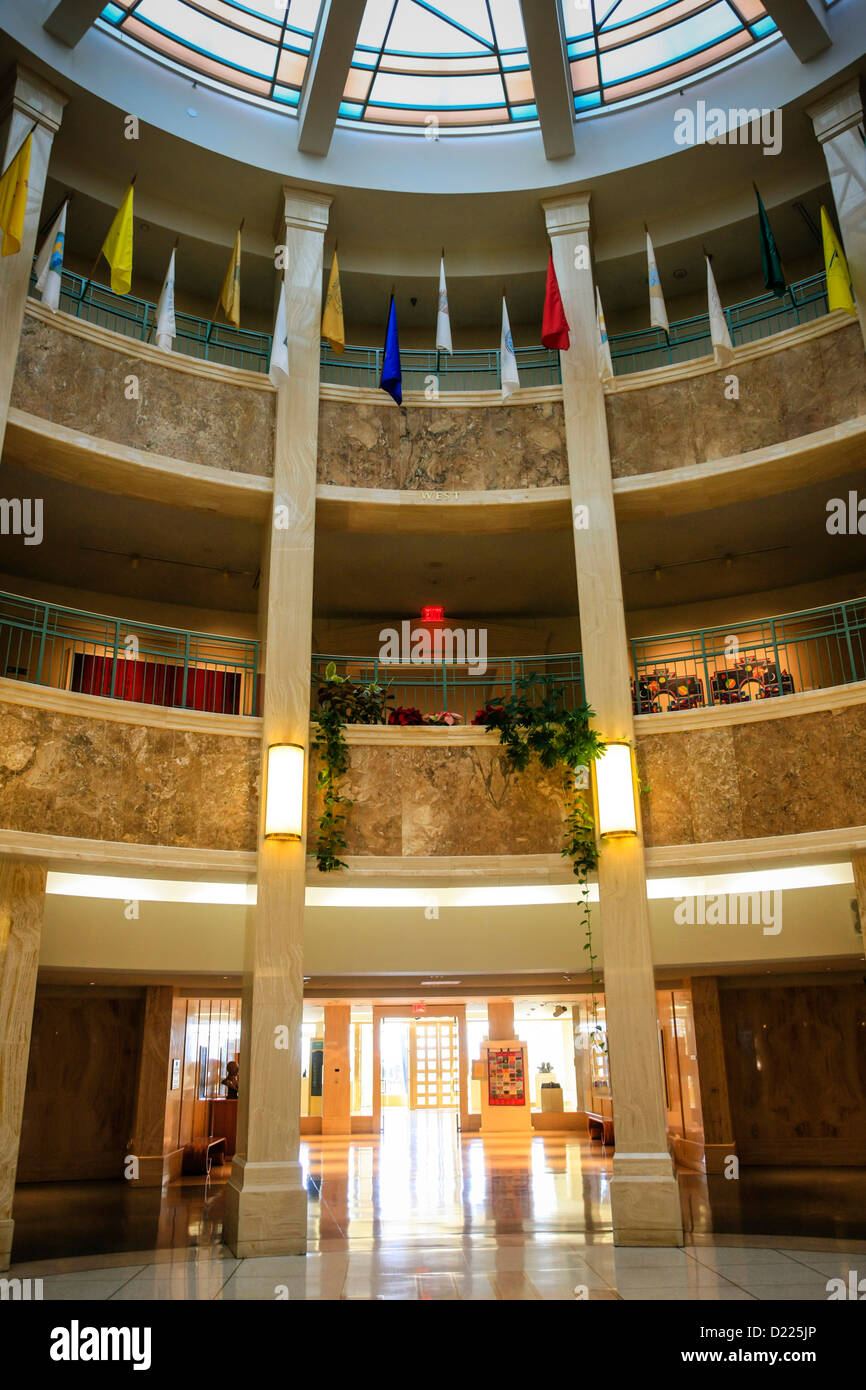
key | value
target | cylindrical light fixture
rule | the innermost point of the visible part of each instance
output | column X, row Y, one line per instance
column 615, row 796
column 284, row 801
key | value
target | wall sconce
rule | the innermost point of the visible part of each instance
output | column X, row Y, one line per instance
column 615, row 794
column 284, row 803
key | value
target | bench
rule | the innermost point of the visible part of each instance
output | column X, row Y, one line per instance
column 201, row 1154
column 600, row 1127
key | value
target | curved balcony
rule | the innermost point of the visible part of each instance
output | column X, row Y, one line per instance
column 476, row 370
column 122, row 659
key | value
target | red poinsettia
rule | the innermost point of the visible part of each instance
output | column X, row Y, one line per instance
column 405, row 714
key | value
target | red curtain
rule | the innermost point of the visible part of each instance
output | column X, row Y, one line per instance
column 149, row 683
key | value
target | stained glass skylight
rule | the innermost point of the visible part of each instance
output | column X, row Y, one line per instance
column 458, row 64
column 260, row 47
column 620, row 50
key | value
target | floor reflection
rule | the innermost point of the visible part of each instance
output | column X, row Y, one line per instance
column 421, row 1179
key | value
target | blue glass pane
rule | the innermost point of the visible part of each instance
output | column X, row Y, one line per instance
column 763, row 26
column 351, row 110
column 582, row 103
column 113, row 14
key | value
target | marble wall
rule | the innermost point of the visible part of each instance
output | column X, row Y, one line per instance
column 783, row 395
column 74, row 382
column 740, row 781
column 448, row 801
column 434, row 447
column 100, row 779
column 104, row 780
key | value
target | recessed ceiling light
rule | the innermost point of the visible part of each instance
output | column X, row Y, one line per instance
column 191, row 111
column 680, row 273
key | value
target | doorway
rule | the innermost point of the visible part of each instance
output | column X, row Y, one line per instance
column 419, row 1063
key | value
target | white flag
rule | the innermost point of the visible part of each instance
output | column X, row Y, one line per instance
column 723, row 348
column 166, row 328
column 605, row 362
column 658, row 312
column 443, row 320
column 278, row 371
column 507, row 360
column 49, row 262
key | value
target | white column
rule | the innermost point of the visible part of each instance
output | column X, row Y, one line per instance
column 22, row 899
column 644, row 1193
column 266, row 1204
column 27, row 100
column 837, row 120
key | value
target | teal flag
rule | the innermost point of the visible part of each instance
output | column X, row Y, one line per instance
column 774, row 276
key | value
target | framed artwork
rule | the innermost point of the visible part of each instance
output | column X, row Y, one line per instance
column 505, row 1079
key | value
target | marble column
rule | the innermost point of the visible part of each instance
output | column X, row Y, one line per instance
column 26, row 100
column 858, row 864
column 712, row 1074
column 22, row 898
column 336, row 1089
column 156, row 1165
column 266, row 1203
column 644, row 1193
column 500, row 1019
column 837, row 119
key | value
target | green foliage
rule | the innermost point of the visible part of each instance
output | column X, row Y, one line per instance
column 533, row 723
column 341, row 702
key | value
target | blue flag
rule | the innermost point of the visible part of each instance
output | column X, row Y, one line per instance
column 392, row 377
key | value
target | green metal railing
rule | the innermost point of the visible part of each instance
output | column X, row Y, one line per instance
column 769, row 657
column 126, row 660
column 450, row 686
column 118, row 658
column 440, row 372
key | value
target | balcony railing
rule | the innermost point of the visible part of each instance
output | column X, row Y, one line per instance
column 767, row 658
column 121, row 659
column 451, row 686
column 126, row 660
column 433, row 372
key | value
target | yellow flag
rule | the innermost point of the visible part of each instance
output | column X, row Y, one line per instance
column 333, row 329
column 230, row 295
column 839, row 294
column 13, row 198
column 117, row 247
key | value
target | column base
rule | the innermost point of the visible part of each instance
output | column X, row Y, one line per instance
column 265, row 1209
column 645, row 1200
column 7, row 1227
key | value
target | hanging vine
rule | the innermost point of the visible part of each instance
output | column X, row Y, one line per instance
column 340, row 702
column 531, row 726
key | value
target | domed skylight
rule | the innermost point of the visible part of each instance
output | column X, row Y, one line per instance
column 459, row 64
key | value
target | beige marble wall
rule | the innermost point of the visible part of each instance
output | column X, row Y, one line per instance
column 447, row 801
column 67, row 379
column 461, row 447
column 103, row 780
column 783, row 395
column 741, row 781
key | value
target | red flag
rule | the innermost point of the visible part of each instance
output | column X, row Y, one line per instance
column 554, row 325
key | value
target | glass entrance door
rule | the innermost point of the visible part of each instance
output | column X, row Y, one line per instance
column 434, row 1072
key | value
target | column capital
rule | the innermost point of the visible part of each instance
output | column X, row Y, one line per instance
column 567, row 214
column 839, row 110
column 25, row 91
column 305, row 209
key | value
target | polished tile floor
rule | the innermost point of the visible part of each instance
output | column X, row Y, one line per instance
column 424, row 1214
